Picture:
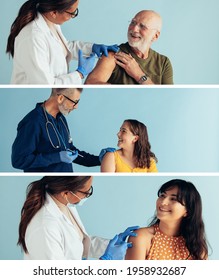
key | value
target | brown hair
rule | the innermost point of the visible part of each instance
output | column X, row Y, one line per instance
column 36, row 196
column 28, row 12
column 142, row 149
column 192, row 226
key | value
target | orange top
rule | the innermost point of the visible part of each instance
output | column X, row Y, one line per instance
column 164, row 247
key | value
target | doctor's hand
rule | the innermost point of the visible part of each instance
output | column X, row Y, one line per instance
column 128, row 232
column 68, row 156
column 104, row 151
column 100, row 50
column 85, row 64
column 115, row 252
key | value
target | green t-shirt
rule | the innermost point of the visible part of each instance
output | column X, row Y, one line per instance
column 156, row 66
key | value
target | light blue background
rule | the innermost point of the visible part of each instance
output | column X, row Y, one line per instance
column 117, row 202
column 189, row 36
column 182, row 123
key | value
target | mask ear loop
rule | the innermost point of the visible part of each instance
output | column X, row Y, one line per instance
column 65, row 196
column 76, row 195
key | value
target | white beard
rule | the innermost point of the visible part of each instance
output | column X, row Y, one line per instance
column 63, row 110
column 142, row 45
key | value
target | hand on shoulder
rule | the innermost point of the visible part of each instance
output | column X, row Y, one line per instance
column 140, row 244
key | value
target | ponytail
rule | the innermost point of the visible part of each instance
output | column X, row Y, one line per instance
column 27, row 13
column 36, row 195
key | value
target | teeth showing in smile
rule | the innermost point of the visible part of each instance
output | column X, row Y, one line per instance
column 134, row 36
column 163, row 209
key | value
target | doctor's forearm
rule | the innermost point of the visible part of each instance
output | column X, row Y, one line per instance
column 87, row 159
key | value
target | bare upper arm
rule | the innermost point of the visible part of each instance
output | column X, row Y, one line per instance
column 108, row 163
column 140, row 245
column 102, row 71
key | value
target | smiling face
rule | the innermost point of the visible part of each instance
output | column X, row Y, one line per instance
column 143, row 30
column 126, row 138
column 168, row 207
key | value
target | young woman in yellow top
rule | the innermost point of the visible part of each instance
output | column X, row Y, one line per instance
column 177, row 231
column 135, row 153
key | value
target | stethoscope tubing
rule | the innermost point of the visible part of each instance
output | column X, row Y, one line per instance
column 57, row 133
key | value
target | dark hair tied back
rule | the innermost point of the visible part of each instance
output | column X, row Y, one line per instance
column 28, row 12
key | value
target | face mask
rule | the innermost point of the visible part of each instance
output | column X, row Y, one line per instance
column 80, row 203
column 69, row 204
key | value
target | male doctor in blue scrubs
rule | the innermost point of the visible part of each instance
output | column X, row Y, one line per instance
column 43, row 142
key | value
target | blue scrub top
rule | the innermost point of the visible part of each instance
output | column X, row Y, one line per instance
column 33, row 152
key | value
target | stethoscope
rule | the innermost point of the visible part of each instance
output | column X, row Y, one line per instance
column 57, row 133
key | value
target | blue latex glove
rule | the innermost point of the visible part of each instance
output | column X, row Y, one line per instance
column 68, row 156
column 104, row 151
column 115, row 252
column 85, row 64
column 128, row 232
column 100, row 50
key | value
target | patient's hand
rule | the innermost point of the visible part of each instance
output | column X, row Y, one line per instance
column 129, row 64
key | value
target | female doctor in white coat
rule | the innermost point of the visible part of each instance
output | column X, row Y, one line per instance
column 41, row 54
column 50, row 227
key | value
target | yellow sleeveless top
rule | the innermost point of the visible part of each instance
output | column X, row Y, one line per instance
column 121, row 166
column 164, row 247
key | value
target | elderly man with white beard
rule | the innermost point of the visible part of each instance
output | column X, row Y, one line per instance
column 136, row 62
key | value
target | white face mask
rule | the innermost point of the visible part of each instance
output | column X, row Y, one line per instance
column 80, row 203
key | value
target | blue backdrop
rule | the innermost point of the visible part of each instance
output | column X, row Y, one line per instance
column 188, row 38
column 182, row 123
column 117, row 202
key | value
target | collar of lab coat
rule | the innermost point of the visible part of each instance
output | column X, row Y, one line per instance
column 55, row 211
column 42, row 25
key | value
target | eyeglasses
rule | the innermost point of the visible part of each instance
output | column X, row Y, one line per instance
column 141, row 26
column 73, row 14
column 75, row 102
column 88, row 193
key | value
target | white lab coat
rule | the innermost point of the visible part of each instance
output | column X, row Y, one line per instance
column 51, row 236
column 39, row 57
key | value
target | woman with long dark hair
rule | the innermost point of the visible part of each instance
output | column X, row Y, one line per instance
column 41, row 54
column 177, row 230
column 50, row 227
column 135, row 153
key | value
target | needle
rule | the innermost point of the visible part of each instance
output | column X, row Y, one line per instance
column 74, row 152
